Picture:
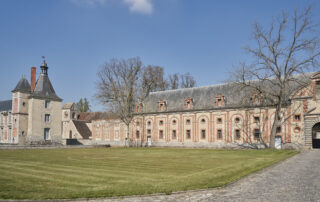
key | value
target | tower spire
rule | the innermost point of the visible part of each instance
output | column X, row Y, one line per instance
column 44, row 66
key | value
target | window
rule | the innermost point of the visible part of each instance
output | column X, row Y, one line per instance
column 256, row 119
column 174, row 122
column 219, row 134
column 1, row 134
column 219, row 120
column 23, row 104
column 70, row 134
column 297, row 117
column 161, row 134
column 256, row 133
column 47, row 134
column 149, row 123
column 73, row 115
column 188, row 134
column 47, row 104
column 237, row 120
column 47, row 118
column 278, row 130
column 137, row 134
column 203, row 121
column 188, row 121
column 318, row 82
column 137, row 123
column 174, row 134
column 203, row 134
column 22, row 133
column 161, row 122
column 188, row 103
column 237, row 134
column 149, row 131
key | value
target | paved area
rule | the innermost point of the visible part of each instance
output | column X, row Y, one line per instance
column 295, row 179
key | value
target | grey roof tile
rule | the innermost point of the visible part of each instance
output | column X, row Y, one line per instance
column 22, row 86
column 44, row 89
column 6, row 105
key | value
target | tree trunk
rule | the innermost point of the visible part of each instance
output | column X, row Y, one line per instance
column 127, row 141
column 274, row 126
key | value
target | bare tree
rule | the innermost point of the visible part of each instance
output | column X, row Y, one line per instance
column 173, row 81
column 286, row 49
column 119, row 87
column 153, row 79
column 187, row 81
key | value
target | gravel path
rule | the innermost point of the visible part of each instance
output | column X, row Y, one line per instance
column 295, row 179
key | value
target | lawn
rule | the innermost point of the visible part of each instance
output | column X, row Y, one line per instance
column 105, row 172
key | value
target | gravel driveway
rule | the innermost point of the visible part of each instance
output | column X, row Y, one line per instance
column 295, row 179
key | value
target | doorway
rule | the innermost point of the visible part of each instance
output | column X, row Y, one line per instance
column 316, row 136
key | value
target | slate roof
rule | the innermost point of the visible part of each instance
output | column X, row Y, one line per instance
column 82, row 128
column 44, row 89
column 90, row 116
column 22, row 86
column 204, row 98
column 6, row 105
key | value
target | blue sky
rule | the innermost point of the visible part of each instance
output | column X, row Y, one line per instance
column 203, row 37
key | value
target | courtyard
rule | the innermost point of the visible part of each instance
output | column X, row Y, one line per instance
column 107, row 172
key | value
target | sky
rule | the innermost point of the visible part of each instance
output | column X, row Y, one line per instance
column 205, row 38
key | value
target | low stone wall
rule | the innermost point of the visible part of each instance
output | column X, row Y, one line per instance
column 14, row 147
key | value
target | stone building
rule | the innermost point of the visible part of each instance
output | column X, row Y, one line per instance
column 217, row 116
column 33, row 116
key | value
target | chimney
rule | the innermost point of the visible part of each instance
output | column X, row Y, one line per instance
column 33, row 77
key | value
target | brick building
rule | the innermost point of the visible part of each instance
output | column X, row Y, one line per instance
column 217, row 116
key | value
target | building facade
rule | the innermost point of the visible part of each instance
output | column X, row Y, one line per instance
column 33, row 116
column 217, row 116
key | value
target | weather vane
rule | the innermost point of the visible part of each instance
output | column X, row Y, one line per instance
column 43, row 57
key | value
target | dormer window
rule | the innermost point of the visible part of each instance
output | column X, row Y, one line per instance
column 188, row 103
column 220, row 100
column 139, row 107
column 255, row 99
column 162, row 106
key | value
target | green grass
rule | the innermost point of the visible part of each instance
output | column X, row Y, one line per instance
column 105, row 172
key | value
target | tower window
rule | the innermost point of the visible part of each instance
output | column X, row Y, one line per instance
column 47, row 134
column 47, row 104
column 47, row 118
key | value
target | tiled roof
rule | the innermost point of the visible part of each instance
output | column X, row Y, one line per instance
column 22, row 86
column 6, row 105
column 68, row 105
column 90, row 116
column 44, row 89
column 82, row 129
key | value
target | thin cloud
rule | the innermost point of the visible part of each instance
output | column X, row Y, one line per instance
column 140, row 6
column 135, row 6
